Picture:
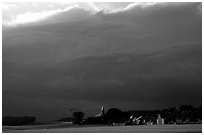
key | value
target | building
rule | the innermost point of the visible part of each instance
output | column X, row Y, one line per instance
column 179, row 121
column 102, row 113
column 149, row 123
column 97, row 119
column 149, row 120
column 160, row 121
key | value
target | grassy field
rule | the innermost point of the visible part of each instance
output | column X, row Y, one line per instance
column 188, row 128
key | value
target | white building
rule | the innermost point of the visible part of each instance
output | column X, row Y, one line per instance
column 160, row 121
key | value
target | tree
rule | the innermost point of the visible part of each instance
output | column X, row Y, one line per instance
column 114, row 115
column 186, row 108
column 78, row 117
column 94, row 120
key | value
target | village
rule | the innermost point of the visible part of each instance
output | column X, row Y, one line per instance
column 186, row 114
column 186, row 118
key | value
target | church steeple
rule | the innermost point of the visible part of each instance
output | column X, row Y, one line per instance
column 102, row 113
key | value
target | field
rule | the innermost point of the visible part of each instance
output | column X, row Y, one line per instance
column 188, row 128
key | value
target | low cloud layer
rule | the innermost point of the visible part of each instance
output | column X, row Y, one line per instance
column 129, row 55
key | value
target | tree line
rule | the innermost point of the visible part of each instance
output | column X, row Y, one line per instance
column 185, row 114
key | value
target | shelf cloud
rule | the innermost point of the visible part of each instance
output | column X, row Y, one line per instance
column 13, row 14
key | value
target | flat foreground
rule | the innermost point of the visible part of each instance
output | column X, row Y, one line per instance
column 190, row 128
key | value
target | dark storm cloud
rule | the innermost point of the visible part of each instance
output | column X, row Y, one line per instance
column 143, row 57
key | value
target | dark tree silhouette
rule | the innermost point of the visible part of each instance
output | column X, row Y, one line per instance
column 94, row 120
column 78, row 117
column 114, row 115
column 186, row 108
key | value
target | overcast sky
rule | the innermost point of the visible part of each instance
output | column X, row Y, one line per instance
column 60, row 57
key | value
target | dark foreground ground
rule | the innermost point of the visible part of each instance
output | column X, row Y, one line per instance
column 188, row 128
